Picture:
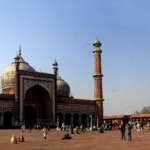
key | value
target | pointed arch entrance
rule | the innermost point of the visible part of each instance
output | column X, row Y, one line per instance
column 37, row 106
column 30, row 115
column 84, row 120
column 67, row 119
column 8, row 119
column 75, row 120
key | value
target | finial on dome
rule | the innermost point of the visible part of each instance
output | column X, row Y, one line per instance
column 97, row 43
column 19, row 49
column 55, row 63
column 55, row 67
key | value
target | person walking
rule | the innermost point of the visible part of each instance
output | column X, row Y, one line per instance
column 129, row 127
column 45, row 133
column 63, row 126
column 122, row 129
column 138, row 127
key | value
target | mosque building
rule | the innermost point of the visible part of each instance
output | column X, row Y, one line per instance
column 31, row 97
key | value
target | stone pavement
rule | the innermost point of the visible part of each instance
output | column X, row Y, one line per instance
column 110, row 140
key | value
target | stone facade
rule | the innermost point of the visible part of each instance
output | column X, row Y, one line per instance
column 46, row 81
column 7, row 105
column 43, row 98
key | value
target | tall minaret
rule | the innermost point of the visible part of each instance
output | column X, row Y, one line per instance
column 55, row 67
column 98, row 92
column 17, row 92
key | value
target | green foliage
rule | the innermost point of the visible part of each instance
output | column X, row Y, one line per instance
column 145, row 110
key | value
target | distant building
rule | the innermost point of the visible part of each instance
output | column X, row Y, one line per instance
column 31, row 97
column 126, row 118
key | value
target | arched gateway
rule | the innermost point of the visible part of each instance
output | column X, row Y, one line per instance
column 8, row 119
column 37, row 106
column 30, row 115
column 36, row 97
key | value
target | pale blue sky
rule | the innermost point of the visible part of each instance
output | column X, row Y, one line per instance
column 65, row 30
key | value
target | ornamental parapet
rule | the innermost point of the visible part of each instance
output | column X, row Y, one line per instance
column 75, row 101
column 37, row 74
column 97, row 49
column 7, row 96
column 97, row 75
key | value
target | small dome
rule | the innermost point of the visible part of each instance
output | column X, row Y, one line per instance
column 63, row 88
column 8, row 78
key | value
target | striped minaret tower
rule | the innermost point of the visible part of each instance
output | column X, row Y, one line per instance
column 98, row 92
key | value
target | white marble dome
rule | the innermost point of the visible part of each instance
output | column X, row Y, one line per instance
column 63, row 88
column 8, row 78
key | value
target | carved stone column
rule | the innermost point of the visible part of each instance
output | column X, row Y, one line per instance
column 79, row 120
column 57, row 123
column 71, row 120
column 97, row 122
column 91, row 122
column 63, row 119
column 88, row 121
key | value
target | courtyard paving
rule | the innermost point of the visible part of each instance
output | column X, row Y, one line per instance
column 110, row 140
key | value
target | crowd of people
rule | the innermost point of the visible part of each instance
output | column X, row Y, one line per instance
column 70, row 129
column 43, row 128
column 125, row 128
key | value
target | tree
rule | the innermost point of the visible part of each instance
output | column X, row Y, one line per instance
column 146, row 110
column 136, row 112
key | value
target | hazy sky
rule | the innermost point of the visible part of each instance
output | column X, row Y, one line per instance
column 65, row 30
